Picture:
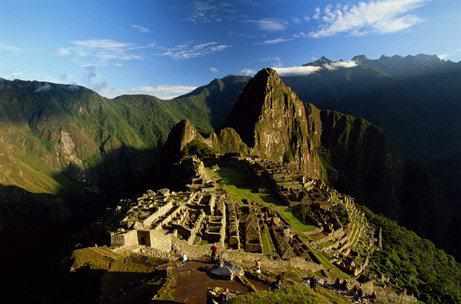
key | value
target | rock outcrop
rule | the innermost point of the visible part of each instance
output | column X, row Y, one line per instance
column 276, row 125
column 182, row 134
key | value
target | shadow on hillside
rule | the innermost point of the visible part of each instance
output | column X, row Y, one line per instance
column 90, row 286
column 100, row 286
column 39, row 231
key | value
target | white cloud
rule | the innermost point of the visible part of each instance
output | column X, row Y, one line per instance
column 163, row 91
column 9, row 49
column 317, row 13
column 277, row 40
column 300, row 35
column 140, row 28
column 15, row 75
column 444, row 57
column 247, row 72
column 214, row 70
column 311, row 69
column 44, row 88
column 206, row 11
column 159, row 91
column 189, row 51
column 340, row 65
column 381, row 16
column 270, row 25
column 102, row 51
column 101, row 44
column 297, row 70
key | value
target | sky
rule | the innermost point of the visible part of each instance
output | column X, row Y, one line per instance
column 167, row 48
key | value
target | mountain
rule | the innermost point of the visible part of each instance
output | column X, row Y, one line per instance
column 48, row 129
column 356, row 158
column 392, row 92
column 269, row 121
column 54, row 137
column 415, row 100
column 276, row 125
column 89, row 150
column 422, row 130
column 408, row 66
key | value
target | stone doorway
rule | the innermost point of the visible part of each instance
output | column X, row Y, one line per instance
column 144, row 238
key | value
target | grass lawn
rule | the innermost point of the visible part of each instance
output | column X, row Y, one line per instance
column 335, row 271
column 239, row 186
column 268, row 246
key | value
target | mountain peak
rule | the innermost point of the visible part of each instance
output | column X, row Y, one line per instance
column 360, row 58
column 273, row 122
column 268, row 76
column 180, row 136
column 319, row 62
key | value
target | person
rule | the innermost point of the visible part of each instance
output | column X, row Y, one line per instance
column 174, row 249
column 355, row 293
column 337, row 284
column 373, row 297
column 214, row 251
column 360, row 292
column 184, row 258
column 313, row 283
column 224, row 296
column 258, row 266
column 221, row 260
column 321, row 282
column 277, row 284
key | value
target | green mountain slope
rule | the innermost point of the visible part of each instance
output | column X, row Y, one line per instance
column 48, row 128
column 415, row 264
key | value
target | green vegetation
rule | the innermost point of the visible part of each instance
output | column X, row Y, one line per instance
column 287, row 214
column 31, row 152
column 268, row 246
column 102, row 258
column 334, row 271
column 240, row 185
column 296, row 294
column 198, row 148
column 416, row 264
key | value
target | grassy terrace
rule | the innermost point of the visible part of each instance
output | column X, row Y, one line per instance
column 239, row 186
column 268, row 246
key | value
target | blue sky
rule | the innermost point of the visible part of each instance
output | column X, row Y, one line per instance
column 166, row 48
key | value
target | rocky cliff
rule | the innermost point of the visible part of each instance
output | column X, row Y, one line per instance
column 274, row 123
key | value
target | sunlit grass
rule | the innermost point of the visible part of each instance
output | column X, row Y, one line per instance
column 266, row 240
column 239, row 186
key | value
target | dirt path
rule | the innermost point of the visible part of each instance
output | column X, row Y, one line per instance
column 193, row 282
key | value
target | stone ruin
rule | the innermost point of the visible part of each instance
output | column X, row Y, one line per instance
column 342, row 233
column 205, row 215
